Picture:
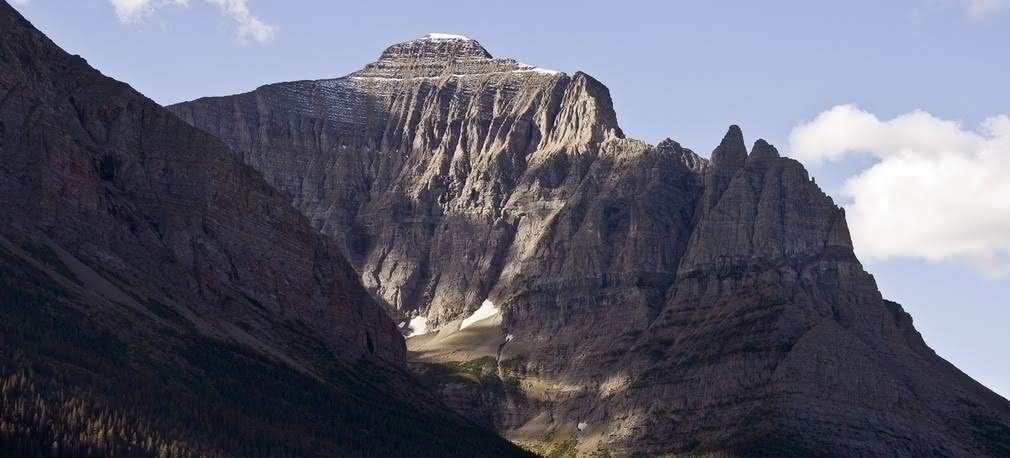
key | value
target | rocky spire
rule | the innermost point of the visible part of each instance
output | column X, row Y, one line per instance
column 763, row 150
column 732, row 149
column 586, row 113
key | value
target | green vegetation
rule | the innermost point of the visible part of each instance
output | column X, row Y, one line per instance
column 484, row 369
column 566, row 449
column 512, row 368
column 481, row 370
column 549, row 449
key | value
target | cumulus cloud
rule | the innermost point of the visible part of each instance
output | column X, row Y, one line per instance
column 938, row 191
column 250, row 27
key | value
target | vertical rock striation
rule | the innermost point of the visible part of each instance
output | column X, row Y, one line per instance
column 411, row 162
column 652, row 302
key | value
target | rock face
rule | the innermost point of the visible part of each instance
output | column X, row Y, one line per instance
column 184, row 278
column 652, row 302
column 113, row 176
column 421, row 154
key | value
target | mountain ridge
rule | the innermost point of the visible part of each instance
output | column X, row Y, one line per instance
column 159, row 298
column 647, row 301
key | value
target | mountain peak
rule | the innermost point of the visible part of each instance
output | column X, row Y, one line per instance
column 440, row 54
column 763, row 150
column 732, row 148
column 445, row 36
column 438, row 47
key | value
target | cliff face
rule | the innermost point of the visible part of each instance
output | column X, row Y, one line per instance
column 422, row 167
column 637, row 298
column 151, row 279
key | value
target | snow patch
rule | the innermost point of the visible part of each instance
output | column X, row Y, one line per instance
column 509, row 338
column 444, row 36
column 418, row 326
column 486, row 310
column 583, row 425
column 540, row 70
column 402, row 324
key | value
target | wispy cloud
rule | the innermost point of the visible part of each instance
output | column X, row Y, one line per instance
column 938, row 191
column 250, row 27
column 130, row 11
column 982, row 8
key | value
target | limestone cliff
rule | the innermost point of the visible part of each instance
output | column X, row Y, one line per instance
column 646, row 301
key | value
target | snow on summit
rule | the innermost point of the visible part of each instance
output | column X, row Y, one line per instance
column 523, row 67
column 444, row 36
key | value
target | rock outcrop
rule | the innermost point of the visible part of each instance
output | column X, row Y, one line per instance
column 158, row 294
column 652, row 302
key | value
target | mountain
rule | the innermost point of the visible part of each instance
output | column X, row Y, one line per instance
column 575, row 289
column 159, row 298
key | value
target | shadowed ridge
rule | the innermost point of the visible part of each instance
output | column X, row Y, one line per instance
column 158, row 297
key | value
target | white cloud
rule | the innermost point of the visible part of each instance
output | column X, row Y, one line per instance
column 938, row 191
column 981, row 8
column 250, row 27
column 130, row 11
column 20, row 2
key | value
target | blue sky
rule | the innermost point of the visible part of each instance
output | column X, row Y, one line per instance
column 898, row 108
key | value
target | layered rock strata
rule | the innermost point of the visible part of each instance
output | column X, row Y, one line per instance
column 652, row 302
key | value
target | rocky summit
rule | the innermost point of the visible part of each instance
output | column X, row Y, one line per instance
column 574, row 289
